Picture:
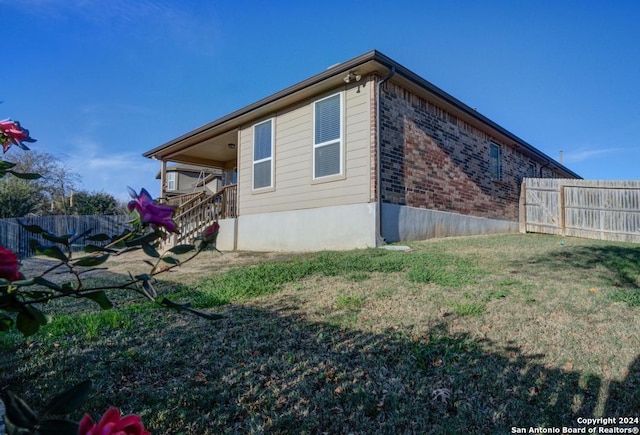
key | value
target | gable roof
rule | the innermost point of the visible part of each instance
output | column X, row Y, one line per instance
column 372, row 61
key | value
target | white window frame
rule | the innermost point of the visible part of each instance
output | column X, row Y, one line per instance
column 172, row 181
column 269, row 159
column 497, row 175
column 339, row 140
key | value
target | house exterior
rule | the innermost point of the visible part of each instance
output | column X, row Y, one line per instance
column 181, row 179
column 363, row 153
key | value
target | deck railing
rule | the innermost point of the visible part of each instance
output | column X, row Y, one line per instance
column 199, row 212
column 228, row 201
column 180, row 200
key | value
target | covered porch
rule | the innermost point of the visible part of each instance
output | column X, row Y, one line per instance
column 198, row 209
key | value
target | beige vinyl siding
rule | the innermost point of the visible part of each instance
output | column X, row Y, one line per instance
column 294, row 187
column 186, row 180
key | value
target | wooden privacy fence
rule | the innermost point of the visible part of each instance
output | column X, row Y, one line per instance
column 605, row 210
column 13, row 236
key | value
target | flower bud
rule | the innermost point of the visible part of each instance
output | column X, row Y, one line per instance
column 9, row 265
column 210, row 234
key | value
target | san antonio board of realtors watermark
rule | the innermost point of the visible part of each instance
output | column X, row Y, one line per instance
column 601, row 425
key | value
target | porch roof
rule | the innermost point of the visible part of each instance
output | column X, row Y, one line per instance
column 196, row 146
column 184, row 168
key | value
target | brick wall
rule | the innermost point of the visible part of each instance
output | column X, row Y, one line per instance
column 431, row 159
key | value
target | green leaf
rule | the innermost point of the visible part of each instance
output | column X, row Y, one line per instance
column 29, row 320
column 36, row 229
column 100, row 297
column 25, row 176
column 182, row 249
column 99, row 238
column 18, row 412
column 91, row 261
column 40, row 317
column 147, row 238
column 149, row 290
column 171, row 304
column 4, row 165
column 70, row 399
column 170, row 260
column 46, row 283
column 6, row 322
column 185, row 307
column 94, row 248
column 10, row 302
column 53, row 252
column 58, row 427
column 37, row 294
column 150, row 250
column 56, row 239
column 34, row 244
column 67, row 288
column 150, row 263
column 81, row 235
column 15, row 430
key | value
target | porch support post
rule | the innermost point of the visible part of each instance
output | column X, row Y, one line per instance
column 163, row 177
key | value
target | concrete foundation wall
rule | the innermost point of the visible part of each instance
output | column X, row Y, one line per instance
column 226, row 236
column 316, row 229
column 411, row 223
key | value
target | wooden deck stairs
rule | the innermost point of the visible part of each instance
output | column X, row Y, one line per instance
column 197, row 211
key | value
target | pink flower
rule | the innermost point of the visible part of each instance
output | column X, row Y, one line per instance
column 9, row 265
column 112, row 424
column 210, row 234
column 150, row 212
column 12, row 134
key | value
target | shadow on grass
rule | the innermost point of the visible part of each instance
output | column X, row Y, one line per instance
column 269, row 369
column 624, row 397
column 622, row 262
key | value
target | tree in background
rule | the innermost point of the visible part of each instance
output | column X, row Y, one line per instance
column 95, row 203
column 49, row 194
column 20, row 197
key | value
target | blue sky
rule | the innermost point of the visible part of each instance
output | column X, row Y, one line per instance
column 100, row 82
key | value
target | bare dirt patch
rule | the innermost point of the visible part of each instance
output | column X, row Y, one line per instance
column 207, row 263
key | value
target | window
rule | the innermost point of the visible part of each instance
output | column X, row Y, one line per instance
column 495, row 162
column 263, row 155
column 327, row 137
column 171, row 180
column 531, row 173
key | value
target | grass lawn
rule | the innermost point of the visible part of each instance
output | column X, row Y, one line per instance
column 461, row 335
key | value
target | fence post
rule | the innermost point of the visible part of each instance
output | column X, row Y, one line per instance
column 523, row 208
column 561, row 218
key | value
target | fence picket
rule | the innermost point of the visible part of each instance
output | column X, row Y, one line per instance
column 606, row 210
column 16, row 238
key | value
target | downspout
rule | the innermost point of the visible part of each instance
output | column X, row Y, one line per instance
column 544, row 166
column 379, row 239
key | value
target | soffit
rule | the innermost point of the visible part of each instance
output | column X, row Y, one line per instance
column 217, row 132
